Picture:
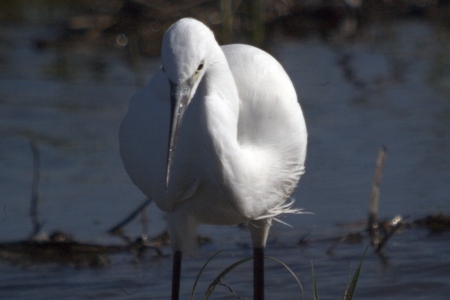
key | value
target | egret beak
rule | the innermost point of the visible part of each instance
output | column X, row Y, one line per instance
column 179, row 100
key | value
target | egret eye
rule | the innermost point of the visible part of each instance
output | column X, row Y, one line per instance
column 200, row 67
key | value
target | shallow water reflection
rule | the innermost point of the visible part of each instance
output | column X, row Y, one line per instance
column 392, row 89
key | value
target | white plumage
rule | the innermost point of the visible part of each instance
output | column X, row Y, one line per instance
column 240, row 144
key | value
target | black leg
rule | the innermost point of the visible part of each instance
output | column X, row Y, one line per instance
column 176, row 274
column 258, row 273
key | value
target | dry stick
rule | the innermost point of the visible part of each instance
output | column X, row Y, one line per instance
column 117, row 228
column 338, row 241
column 141, row 209
column 230, row 289
column 375, row 196
column 384, row 241
column 144, row 222
column 37, row 225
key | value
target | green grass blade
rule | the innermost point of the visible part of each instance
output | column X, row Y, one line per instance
column 201, row 271
column 290, row 271
column 348, row 282
column 316, row 296
column 216, row 281
column 351, row 288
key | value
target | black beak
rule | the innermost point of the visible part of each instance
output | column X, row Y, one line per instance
column 179, row 99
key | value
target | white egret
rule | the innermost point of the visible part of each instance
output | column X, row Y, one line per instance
column 216, row 137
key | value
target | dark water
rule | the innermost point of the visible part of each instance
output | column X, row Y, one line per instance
column 391, row 88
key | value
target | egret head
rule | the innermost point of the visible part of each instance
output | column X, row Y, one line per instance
column 184, row 55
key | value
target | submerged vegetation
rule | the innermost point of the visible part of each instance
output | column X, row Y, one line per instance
column 218, row 281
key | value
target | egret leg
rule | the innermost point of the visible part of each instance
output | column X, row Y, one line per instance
column 258, row 273
column 176, row 274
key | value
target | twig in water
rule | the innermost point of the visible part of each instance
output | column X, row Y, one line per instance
column 335, row 244
column 375, row 196
column 230, row 289
column 117, row 229
column 398, row 225
column 352, row 237
column 37, row 225
column 144, row 222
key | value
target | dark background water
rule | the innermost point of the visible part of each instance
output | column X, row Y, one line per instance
column 362, row 83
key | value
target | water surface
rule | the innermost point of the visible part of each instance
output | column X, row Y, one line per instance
column 391, row 88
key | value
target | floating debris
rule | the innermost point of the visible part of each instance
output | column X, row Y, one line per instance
column 435, row 223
